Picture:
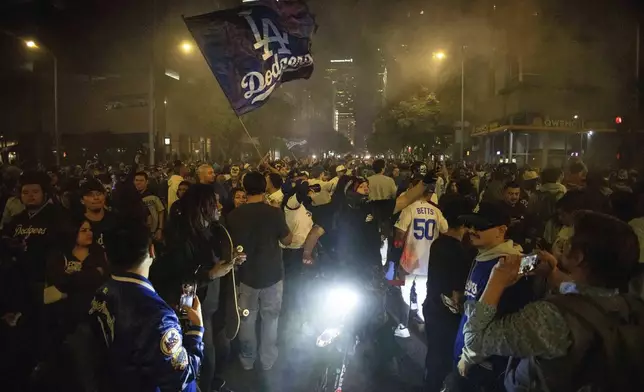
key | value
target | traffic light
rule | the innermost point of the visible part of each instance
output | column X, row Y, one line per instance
column 622, row 124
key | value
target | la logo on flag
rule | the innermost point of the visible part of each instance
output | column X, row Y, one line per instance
column 254, row 48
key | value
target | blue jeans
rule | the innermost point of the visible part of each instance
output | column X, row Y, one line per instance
column 268, row 303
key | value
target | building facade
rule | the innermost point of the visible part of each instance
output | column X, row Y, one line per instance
column 341, row 73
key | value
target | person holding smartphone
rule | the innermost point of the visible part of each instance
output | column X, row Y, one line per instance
column 143, row 344
column 488, row 233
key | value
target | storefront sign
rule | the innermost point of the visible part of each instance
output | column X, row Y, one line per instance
column 572, row 124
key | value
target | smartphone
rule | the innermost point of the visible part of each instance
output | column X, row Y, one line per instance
column 450, row 304
column 528, row 264
column 187, row 297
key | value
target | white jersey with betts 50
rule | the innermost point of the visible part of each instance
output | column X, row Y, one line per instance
column 422, row 222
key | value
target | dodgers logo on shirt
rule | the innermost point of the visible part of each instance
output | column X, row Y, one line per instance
column 171, row 342
column 369, row 218
column 73, row 266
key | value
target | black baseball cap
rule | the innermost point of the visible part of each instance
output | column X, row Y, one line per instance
column 91, row 185
column 489, row 215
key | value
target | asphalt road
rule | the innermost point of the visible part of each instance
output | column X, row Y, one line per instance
column 294, row 370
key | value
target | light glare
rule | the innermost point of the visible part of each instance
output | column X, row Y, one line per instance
column 186, row 47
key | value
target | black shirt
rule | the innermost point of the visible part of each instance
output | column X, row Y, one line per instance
column 449, row 265
column 258, row 227
column 102, row 228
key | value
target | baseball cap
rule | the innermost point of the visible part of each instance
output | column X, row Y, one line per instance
column 340, row 168
column 91, row 185
column 530, row 175
column 489, row 215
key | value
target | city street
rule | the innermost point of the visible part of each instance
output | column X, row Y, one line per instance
column 293, row 371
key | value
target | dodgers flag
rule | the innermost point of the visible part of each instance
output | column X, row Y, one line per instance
column 254, row 48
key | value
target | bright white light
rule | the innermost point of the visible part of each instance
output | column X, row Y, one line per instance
column 314, row 156
column 367, row 156
column 343, row 298
column 166, row 141
column 576, row 116
column 590, row 133
column 31, row 44
column 498, row 153
column 342, row 61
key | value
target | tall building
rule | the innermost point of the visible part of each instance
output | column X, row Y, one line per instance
column 553, row 89
column 341, row 73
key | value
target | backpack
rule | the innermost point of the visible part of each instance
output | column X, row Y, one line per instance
column 615, row 359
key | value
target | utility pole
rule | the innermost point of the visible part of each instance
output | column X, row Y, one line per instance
column 56, row 132
column 462, row 135
column 151, row 93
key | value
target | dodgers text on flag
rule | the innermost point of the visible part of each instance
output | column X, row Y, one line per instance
column 254, row 48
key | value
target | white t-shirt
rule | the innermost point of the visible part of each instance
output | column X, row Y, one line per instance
column 299, row 221
column 422, row 222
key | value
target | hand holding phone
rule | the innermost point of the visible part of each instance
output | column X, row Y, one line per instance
column 187, row 298
column 528, row 264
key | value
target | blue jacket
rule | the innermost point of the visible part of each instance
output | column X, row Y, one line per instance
column 146, row 349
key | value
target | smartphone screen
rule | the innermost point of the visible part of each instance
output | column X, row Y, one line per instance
column 528, row 264
column 187, row 297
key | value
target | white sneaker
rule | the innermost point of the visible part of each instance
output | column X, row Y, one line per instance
column 402, row 332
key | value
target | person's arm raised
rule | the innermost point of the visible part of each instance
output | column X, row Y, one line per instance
column 415, row 193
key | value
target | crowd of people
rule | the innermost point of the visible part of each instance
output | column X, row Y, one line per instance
column 96, row 260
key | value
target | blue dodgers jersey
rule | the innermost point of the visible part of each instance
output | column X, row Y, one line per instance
column 513, row 299
column 474, row 287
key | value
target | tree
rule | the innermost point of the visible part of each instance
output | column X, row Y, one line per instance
column 408, row 122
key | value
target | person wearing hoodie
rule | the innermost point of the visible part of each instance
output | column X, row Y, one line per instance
column 179, row 172
column 489, row 228
column 156, row 222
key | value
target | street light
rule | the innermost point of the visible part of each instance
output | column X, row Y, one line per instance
column 32, row 45
column 439, row 55
column 186, row 47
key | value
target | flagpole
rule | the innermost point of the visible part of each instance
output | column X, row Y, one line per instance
column 249, row 137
